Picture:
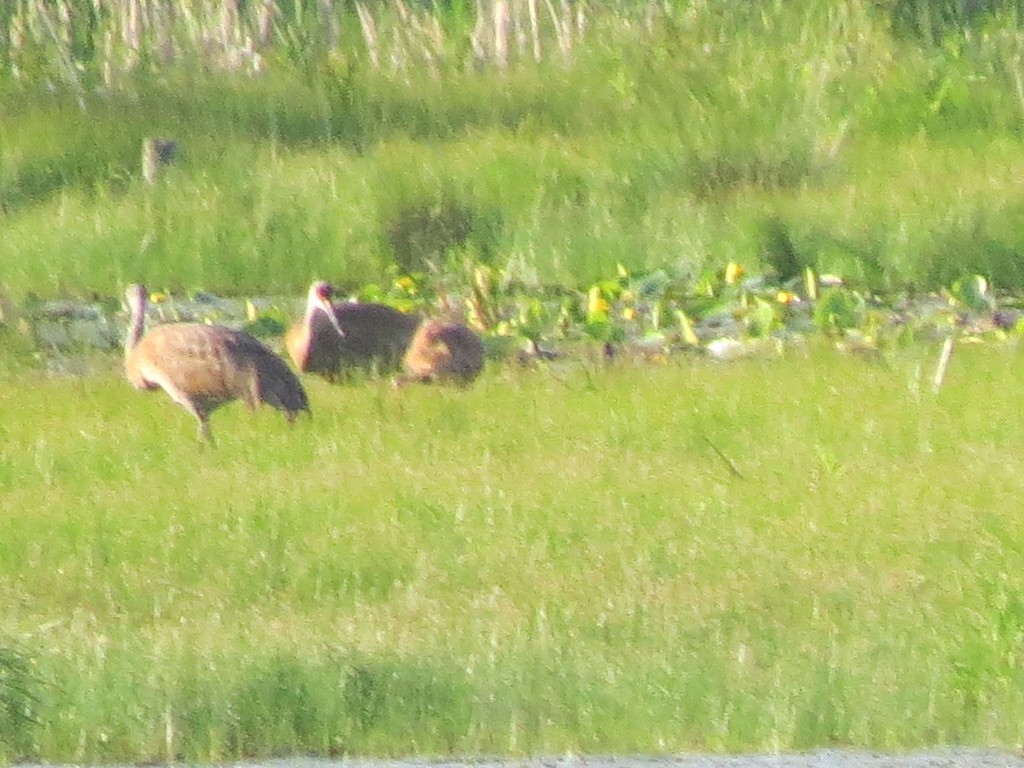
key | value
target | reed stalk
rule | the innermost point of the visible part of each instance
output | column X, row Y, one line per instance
column 118, row 37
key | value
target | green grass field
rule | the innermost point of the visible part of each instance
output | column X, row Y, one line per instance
column 551, row 561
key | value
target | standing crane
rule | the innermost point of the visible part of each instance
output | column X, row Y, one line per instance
column 202, row 367
column 331, row 339
column 444, row 352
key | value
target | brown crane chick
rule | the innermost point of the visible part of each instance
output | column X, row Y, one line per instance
column 202, row 367
column 333, row 339
column 443, row 352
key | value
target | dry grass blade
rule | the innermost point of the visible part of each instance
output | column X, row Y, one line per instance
column 369, row 30
column 502, row 30
column 534, row 28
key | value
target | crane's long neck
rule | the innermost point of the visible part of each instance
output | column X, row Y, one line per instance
column 299, row 339
column 135, row 329
column 312, row 308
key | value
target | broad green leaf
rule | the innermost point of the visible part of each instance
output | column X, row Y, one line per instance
column 973, row 292
column 761, row 317
column 839, row 309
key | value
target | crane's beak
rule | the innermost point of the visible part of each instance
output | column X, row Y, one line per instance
column 328, row 309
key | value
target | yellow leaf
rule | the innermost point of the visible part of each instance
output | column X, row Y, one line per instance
column 597, row 305
column 733, row 272
column 810, row 284
column 686, row 327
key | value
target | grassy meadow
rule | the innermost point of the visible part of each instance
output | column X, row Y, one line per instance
column 552, row 561
column 783, row 552
column 679, row 137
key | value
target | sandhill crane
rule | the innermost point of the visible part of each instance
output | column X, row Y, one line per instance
column 368, row 336
column 202, row 367
column 443, row 352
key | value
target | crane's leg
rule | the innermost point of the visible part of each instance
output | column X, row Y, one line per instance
column 203, row 417
column 181, row 398
column 204, row 430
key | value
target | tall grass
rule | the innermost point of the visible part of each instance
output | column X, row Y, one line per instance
column 667, row 138
column 548, row 562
